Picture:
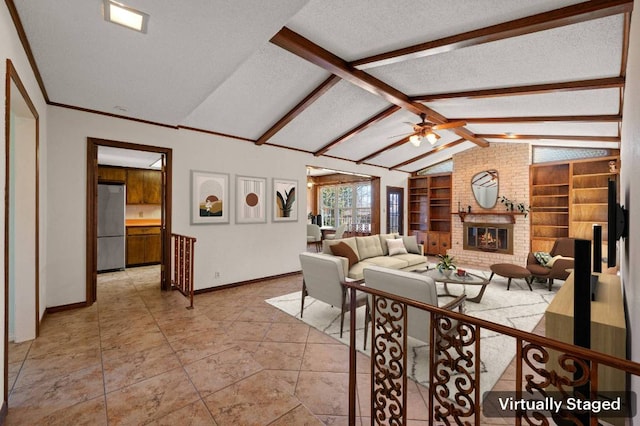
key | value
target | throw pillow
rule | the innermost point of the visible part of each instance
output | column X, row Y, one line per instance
column 542, row 257
column 396, row 247
column 411, row 243
column 343, row 249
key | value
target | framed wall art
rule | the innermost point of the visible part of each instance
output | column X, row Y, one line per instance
column 285, row 206
column 251, row 199
column 209, row 197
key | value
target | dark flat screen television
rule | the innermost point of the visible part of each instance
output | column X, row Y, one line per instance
column 616, row 223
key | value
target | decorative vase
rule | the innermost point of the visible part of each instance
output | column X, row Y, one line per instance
column 447, row 272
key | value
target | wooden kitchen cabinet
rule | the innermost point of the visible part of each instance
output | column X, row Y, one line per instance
column 144, row 245
column 144, row 186
column 112, row 174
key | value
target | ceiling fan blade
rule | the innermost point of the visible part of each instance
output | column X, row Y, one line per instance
column 450, row 125
column 402, row 134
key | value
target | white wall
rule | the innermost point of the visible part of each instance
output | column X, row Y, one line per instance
column 239, row 252
column 11, row 48
column 630, row 193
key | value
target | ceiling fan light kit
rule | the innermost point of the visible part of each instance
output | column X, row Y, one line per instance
column 425, row 129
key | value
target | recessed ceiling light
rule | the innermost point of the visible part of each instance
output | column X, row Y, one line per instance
column 126, row 16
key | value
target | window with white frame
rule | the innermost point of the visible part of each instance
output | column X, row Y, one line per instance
column 348, row 204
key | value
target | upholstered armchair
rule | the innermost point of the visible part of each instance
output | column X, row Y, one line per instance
column 314, row 236
column 338, row 234
column 414, row 286
column 562, row 259
column 323, row 276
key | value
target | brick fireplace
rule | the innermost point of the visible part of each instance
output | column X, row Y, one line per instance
column 512, row 161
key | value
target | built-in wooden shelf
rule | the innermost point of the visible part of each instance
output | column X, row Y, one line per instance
column 510, row 215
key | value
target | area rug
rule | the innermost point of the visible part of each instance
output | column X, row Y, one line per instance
column 518, row 308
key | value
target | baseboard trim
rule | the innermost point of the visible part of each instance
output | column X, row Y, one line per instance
column 61, row 308
column 241, row 283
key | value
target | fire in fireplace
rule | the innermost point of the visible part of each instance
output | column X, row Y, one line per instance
column 491, row 237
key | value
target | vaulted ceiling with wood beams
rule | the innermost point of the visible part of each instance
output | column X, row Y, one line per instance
column 352, row 79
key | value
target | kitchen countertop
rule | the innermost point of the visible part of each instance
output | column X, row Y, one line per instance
column 142, row 222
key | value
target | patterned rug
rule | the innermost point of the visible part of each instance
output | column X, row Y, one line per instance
column 518, row 308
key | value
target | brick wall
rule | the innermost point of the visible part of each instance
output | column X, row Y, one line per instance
column 512, row 163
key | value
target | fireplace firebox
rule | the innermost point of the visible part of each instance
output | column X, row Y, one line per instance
column 491, row 237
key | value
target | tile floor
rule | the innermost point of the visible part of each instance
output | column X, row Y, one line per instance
column 137, row 356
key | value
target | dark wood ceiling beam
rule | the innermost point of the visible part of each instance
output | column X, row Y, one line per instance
column 574, row 14
column 297, row 110
column 613, row 118
column 553, row 137
column 351, row 133
column 598, row 83
column 306, row 49
column 386, row 148
column 425, row 155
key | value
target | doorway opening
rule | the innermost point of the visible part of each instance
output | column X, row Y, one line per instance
column 164, row 156
column 21, row 220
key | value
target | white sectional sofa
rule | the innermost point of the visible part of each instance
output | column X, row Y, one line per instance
column 375, row 250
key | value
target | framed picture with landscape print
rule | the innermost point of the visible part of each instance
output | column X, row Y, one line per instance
column 285, row 207
column 251, row 199
column 209, row 197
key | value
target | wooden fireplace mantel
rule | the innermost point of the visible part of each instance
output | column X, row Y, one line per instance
column 510, row 215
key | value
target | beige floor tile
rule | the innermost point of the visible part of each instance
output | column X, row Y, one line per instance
column 300, row 416
column 252, row 331
column 134, row 368
column 35, row 370
column 326, row 357
column 197, row 347
column 151, row 399
column 31, row 403
column 279, row 356
column 18, row 351
column 195, row 414
column 253, row 401
column 288, row 332
column 221, row 370
column 324, row 393
column 92, row 412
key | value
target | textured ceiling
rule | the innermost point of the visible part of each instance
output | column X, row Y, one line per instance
column 216, row 66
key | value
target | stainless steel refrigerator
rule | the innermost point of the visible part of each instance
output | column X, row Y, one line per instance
column 111, row 227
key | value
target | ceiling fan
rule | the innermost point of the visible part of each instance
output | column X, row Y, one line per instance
column 425, row 129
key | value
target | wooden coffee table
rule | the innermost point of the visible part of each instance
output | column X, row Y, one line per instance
column 467, row 279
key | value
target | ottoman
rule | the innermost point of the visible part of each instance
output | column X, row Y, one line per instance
column 509, row 270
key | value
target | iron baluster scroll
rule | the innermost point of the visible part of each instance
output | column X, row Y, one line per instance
column 454, row 355
column 559, row 383
column 388, row 362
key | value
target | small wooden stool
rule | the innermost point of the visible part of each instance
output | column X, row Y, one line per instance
column 509, row 271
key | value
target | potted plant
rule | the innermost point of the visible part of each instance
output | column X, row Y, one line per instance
column 446, row 264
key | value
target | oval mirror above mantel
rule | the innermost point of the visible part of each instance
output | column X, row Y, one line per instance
column 485, row 188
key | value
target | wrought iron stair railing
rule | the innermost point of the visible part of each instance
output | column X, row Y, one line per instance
column 455, row 350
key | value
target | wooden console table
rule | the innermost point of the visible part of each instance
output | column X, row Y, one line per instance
column 608, row 327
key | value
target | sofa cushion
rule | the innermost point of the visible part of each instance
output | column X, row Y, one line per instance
column 411, row 244
column 369, row 247
column 343, row 249
column 396, row 247
column 383, row 242
column 386, row 262
column 351, row 242
column 411, row 259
